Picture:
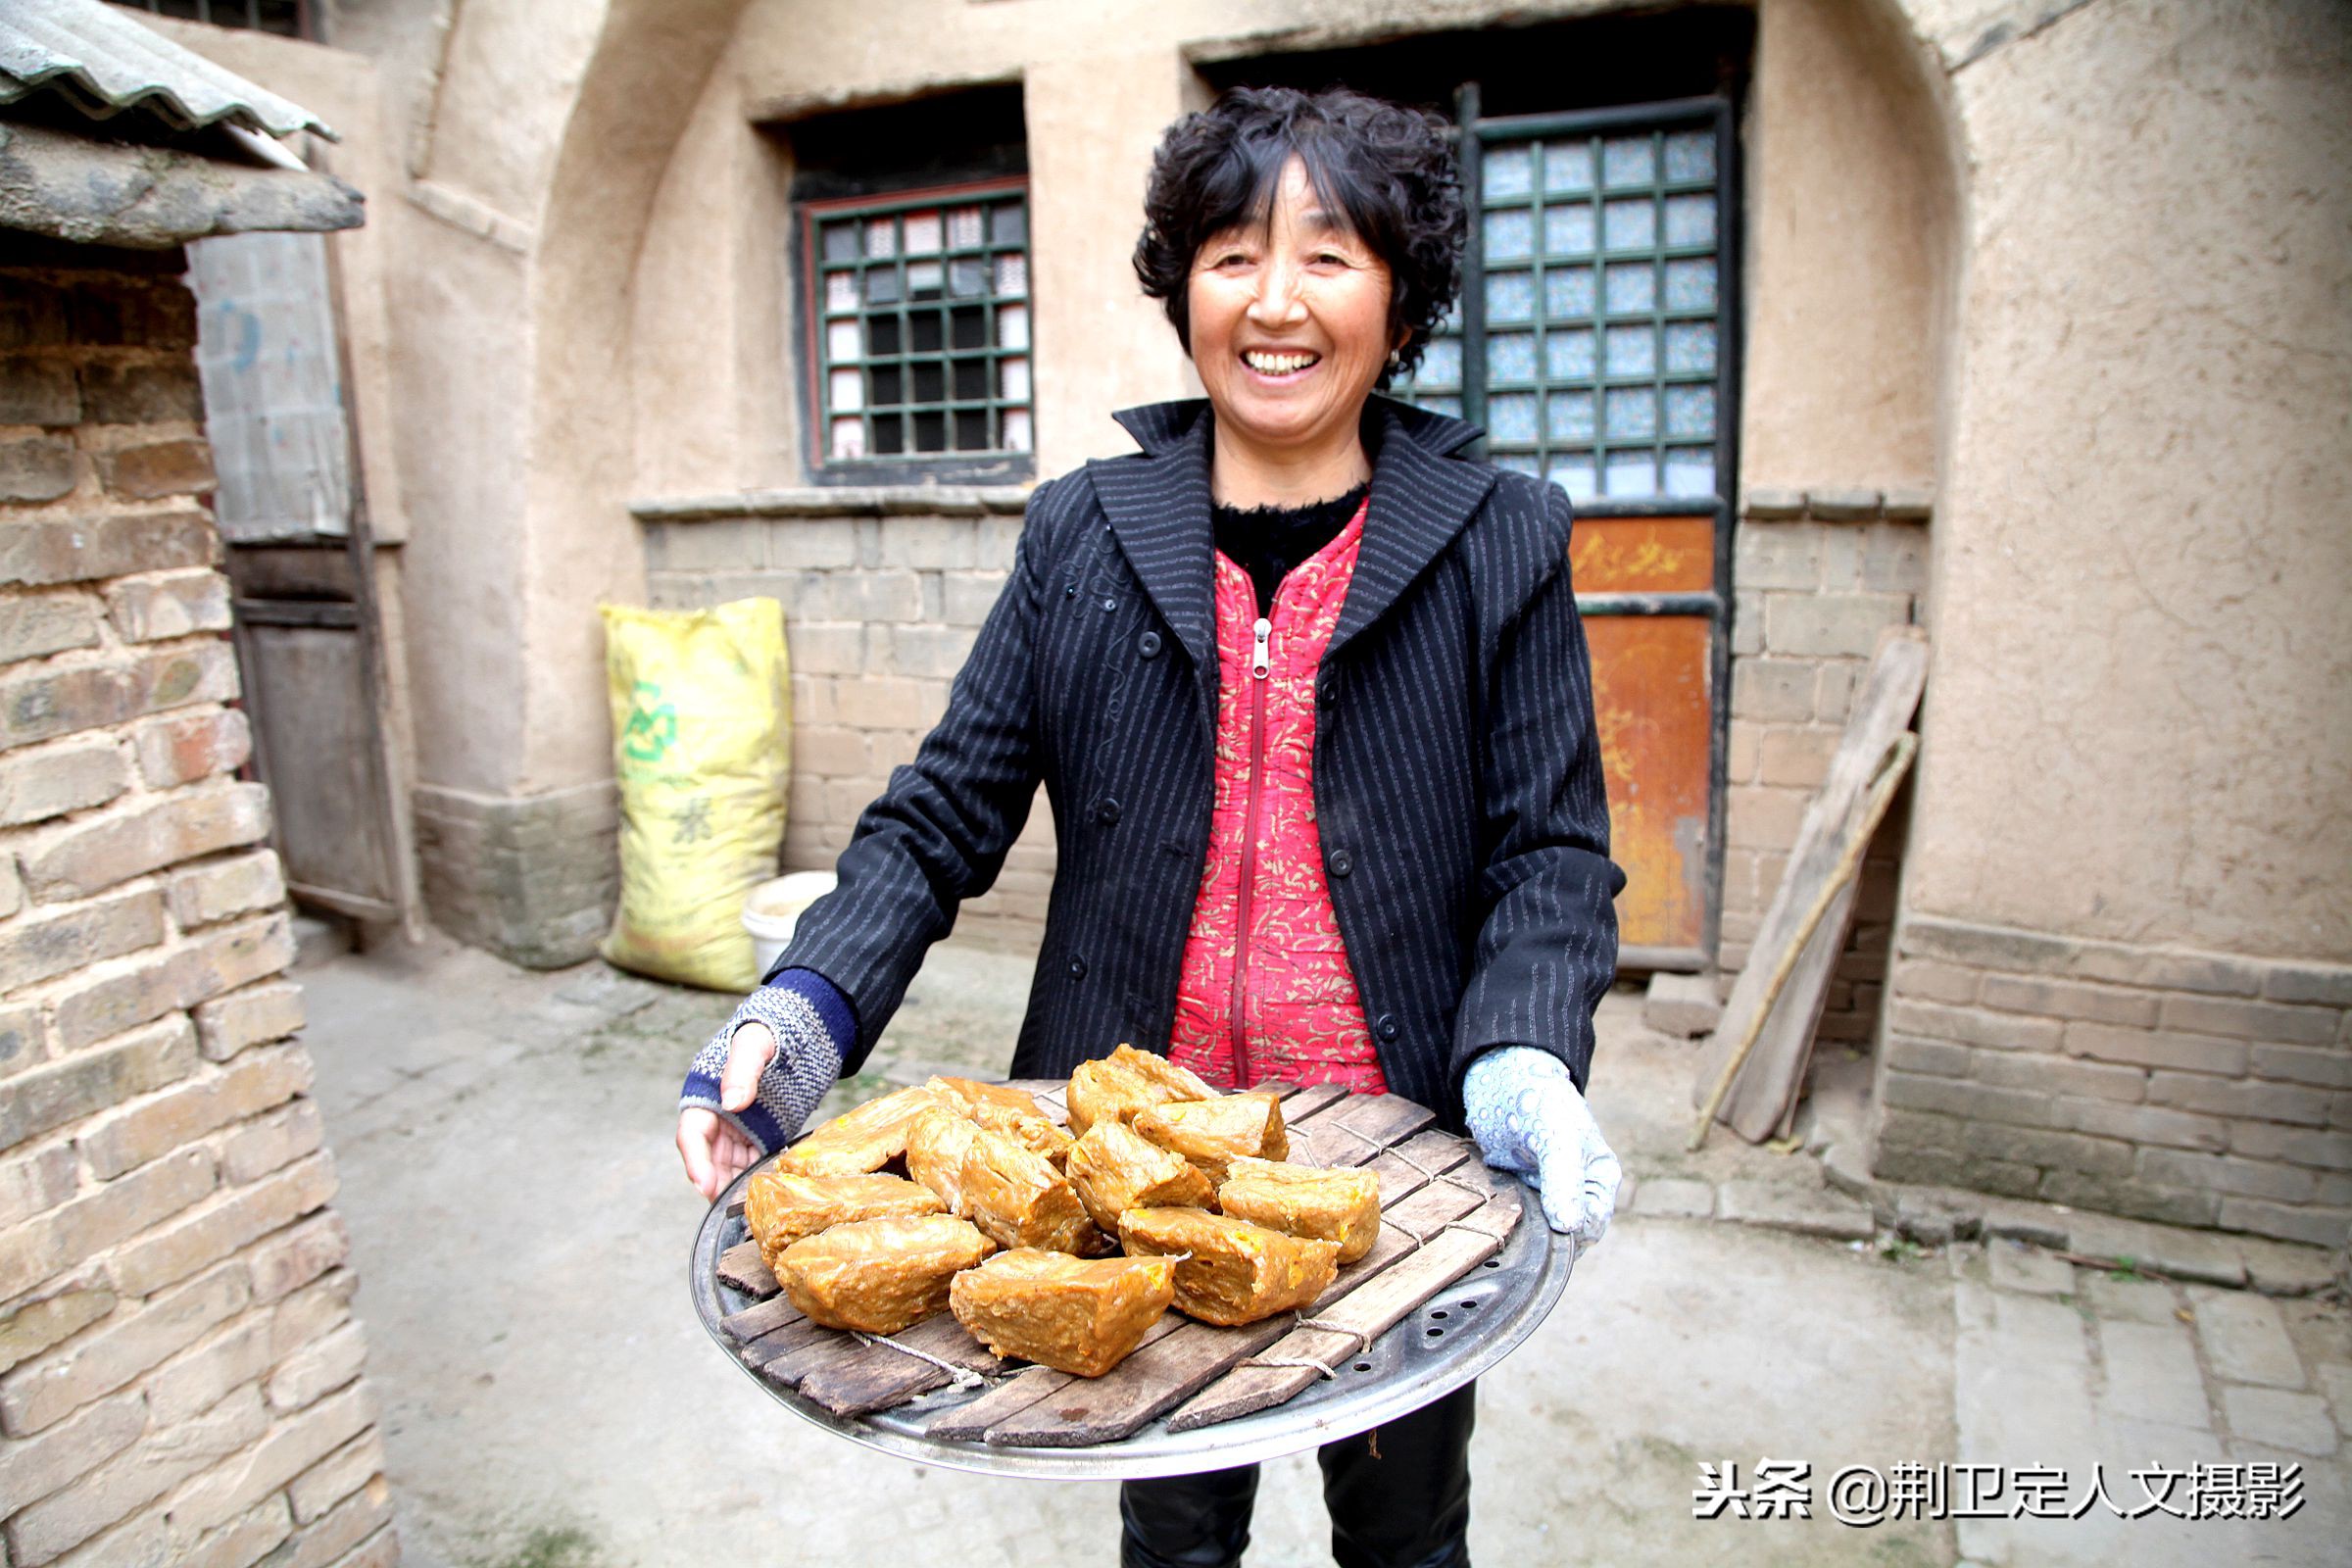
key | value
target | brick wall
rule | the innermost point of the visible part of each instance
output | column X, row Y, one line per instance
column 1817, row 578
column 2185, row 1087
column 179, row 1370
column 883, row 594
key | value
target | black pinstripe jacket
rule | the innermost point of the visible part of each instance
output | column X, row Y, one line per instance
column 1458, row 775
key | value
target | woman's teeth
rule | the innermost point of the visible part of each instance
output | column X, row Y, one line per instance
column 1278, row 364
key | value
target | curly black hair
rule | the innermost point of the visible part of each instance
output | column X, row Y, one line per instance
column 1387, row 170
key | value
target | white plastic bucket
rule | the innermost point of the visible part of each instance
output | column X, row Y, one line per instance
column 773, row 909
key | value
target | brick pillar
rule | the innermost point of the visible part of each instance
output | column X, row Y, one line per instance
column 179, row 1370
column 1820, row 576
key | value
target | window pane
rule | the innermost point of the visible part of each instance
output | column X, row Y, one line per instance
column 1632, row 351
column 1689, row 155
column 1441, row 363
column 1568, row 230
column 1510, row 236
column 1507, row 172
column 1008, row 224
column 1511, row 356
column 888, row 385
column 1568, row 416
column 1633, row 414
column 1573, row 471
column 841, row 291
column 1690, row 220
column 1631, row 225
column 844, row 342
column 970, row 378
column 1012, row 380
column 1691, row 347
column 1568, row 293
column 1632, row 474
column 1632, row 287
column 1691, row 470
column 1511, row 296
column 1012, row 326
column 1568, row 355
column 1451, row 408
column 922, row 232
column 1520, row 462
column 840, row 242
column 848, row 392
column 1012, row 277
column 881, row 238
column 1629, row 161
column 1511, row 419
column 1568, row 167
column 1016, row 429
column 1690, row 285
column 1691, row 412
column 849, row 438
column 923, row 280
column 882, row 335
column 967, row 275
column 882, row 286
column 963, row 228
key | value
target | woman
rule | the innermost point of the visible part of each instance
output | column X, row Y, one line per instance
column 1310, row 701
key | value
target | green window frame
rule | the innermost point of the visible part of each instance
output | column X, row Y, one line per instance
column 918, row 332
column 1595, row 340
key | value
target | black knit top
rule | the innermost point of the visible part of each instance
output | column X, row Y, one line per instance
column 1266, row 541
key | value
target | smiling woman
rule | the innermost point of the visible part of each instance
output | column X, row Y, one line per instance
column 1307, row 691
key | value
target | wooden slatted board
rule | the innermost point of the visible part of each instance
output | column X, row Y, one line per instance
column 1443, row 1214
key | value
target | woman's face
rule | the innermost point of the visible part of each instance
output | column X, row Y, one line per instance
column 1289, row 323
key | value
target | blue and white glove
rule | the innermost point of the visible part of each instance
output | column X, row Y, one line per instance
column 1525, row 1112
column 812, row 1025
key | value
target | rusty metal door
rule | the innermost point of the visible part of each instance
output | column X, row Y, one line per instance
column 300, row 561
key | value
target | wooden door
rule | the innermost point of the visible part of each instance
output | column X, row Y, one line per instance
column 302, row 567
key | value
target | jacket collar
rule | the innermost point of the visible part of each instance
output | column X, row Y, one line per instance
column 1159, row 508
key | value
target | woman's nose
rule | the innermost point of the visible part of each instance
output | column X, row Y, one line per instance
column 1276, row 301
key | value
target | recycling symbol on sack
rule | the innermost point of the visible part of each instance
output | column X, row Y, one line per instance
column 653, row 726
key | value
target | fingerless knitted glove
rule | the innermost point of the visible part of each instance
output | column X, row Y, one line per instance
column 815, row 1027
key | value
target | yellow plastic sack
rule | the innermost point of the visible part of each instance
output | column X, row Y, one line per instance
column 702, row 744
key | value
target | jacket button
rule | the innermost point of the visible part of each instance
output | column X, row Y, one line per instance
column 1327, row 691
column 1077, row 968
column 1148, row 645
column 1106, row 810
column 1342, row 862
column 1387, row 1028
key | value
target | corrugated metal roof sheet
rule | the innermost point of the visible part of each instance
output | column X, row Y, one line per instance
column 106, row 63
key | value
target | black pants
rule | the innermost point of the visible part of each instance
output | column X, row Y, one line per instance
column 1398, row 1497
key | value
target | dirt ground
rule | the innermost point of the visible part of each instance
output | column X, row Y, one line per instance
column 521, row 1230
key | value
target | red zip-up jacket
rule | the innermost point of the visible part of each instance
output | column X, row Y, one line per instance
column 1265, row 993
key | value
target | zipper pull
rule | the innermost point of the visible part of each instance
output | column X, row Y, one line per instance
column 1261, row 651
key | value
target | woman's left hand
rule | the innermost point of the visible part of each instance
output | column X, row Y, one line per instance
column 1526, row 1113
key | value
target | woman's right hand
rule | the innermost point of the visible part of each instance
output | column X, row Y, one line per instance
column 714, row 1153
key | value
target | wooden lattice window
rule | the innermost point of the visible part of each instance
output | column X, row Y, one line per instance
column 919, row 327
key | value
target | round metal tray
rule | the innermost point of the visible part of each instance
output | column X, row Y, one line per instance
column 1452, row 1337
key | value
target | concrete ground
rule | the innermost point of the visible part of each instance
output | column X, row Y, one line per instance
column 520, row 1227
